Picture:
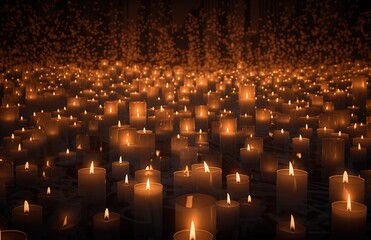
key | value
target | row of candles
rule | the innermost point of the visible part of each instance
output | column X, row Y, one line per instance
column 137, row 144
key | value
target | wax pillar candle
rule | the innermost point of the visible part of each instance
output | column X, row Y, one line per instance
column 238, row 185
column 92, row 184
column 13, row 235
column 178, row 143
column 358, row 156
column 26, row 175
column 19, row 155
column 141, row 176
column 342, row 185
column 201, row 117
column 106, row 225
column 12, row 142
column 200, row 208
column 148, row 208
column 250, row 207
column 290, row 230
column 268, row 166
column 281, row 138
column 301, row 145
column 292, row 189
column 208, row 179
column 187, row 157
column 348, row 218
column 146, row 139
column 33, row 147
column 64, row 228
column 120, row 168
column 193, row 233
column 333, row 153
column 27, row 217
column 306, row 131
column 183, row 182
column 6, row 172
column 138, row 114
column 249, row 158
column 227, row 135
column 125, row 190
column 227, row 213
column 263, row 121
column 187, row 129
column 67, row 158
column 247, row 98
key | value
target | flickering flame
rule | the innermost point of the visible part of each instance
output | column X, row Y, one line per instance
column 120, row 160
column 19, row 147
column 67, row 151
column 292, row 224
column 65, row 221
column 206, row 167
column 47, row 163
column 248, row 147
column 355, row 125
column 110, row 110
column 119, row 123
column 91, row 168
column 26, row 207
column 339, row 133
column 158, row 153
column 27, row 166
column 349, row 204
column 186, row 171
column 12, row 137
column 345, row 177
column 282, row 130
column 178, row 136
column 291, row 169
column 148, row 187
column 238, row 178
column 48, row 191
column 126, row 179
column 228, row 200
column 192, row 232
column 106, row 214
column 249, row 199
column 300, row 138
column 247, row 95
column 306, row 126
column 23, row 129
column 227, row 130
column 361, row 136
column 359, row 146
column 324, row 128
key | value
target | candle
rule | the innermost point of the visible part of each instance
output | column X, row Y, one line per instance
column 250, row 207
column 67, row 158
column 333, row 154
column 106, row 225
column 26, row 175
column 143, row 175
column 183, row 182
column 120, row 169
column 358, row 156
column 208, row 180
column 64, row 228
column 348, row 218
column 6, row 172
column 342, row 185
column 138, row 114
column 227, row 134
column 238, row 185
column 19, row 155
column 281, row 139
column 201, row 117
column 188, row 156
column 193, row 234
column 227, row 212
column 92, row 184
column 200, row 208
column 291, row 189
column 301, row 145
column 263, row 121
column 27, row 217
column 249, row 158
column 148, row 208
column 125, row 190
column 290, row 230
column 12, row 235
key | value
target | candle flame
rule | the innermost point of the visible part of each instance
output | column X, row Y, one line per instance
column 227, row 130
column 12, row 137
column 106, row 214
column 345, row 177
column 339, row 133
column 47, row 163
column 238, row 178
column 359, row 146
column 91, row 168
column 248, row 147
column 19, row 147
column 26, row 207
column 361, row 136
column 126, row 179
column 27, row 166
column 120, row 160
column 206, row 167
column 178, row 136
column 249, row 201
column 67, row 151
column 186, row 128
column 300, row 138
column 291, row 169
column 148, row 187
column 349, row 204
column 186, row 171
column 192, row 232
column 306, row 126
column 228, row 200
column 48, row 191
column 282, row 130
column 158, row 153
column 292, row 224
column 324, row 128
column 119, row 123
column 298, row 155
column 65, row 221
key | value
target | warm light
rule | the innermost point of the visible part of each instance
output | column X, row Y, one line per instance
column 12, row 137
column 91, row 168
column 228, row 200
column 339, row 133
column 206, row 167
column 324, row 128
column 292, row 224
column 148, row 187
column 291, row 169
column 48, row 191
column 119, row 123
column 282, row 130
column 306, row 126
column 345, row 177
column 26, row 207
column 300, row 138
column 65, row 221
column 120, row 160
column 19, row 147
column 248, row 147
column 249, row 201
column 178, row 136
column 227, row 130
column 27, row 166
column 238, row 178
column 186, row 128
column 186, row 171
column 359, row 146
column 106, row 214
column 67, row 151
column 192, row 232
column 349, row 205
column 126, row 179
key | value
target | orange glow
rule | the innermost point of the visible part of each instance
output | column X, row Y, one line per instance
column 345, row 177
column 48, row 191
column 91, row 168
column 349, row 204
column 291, row 169
column 27, row 166
column 186, row 171
column 106, row 214
column 238, row 178
column 126, row 179
column 228, row 200
column 65, row 221
column 292, row 223
column 148, row 186
column 249, row 201
column 192, row 232
column 206, row 167
column 26, row 207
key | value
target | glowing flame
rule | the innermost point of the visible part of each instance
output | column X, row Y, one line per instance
column 91, row 168
column 349, row 204
column 126, row 179
column 345, row 177
column 306, row 126
column 206, row 167
column 192, row 232
column 227, row 130
column 298, row 155
column 359, row 146
column 148, row 187
column 282, row 130
column 291, row 169
column 19, row 147
column 248, row 147
column 228, row 200
column 238, row 178
column 120, row 160
column 48, row 191
column 12, row 137
column 119, row 123
column 27, row 166
column 339, row 133
column 178, row 136
column 186, row 171
column 325, row 129
column 249, row 201
column 67, row 151
column 26, row 207
column 292, row 224
column 47, row 163
column 106, row 214
column 65, row 221
column 300, row 138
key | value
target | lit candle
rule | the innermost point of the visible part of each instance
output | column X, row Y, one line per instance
column 227, row 134
column 188, row 156
column 67, row 158
column 12, row 235
column 120, row 168
column 238, row 185
column 250, row 207
column 183, row 182
column 208, row 179
column 64, row 228
column 348, row 218
column 342, row 185
column 290, row 230
column 125, row 190
column 333, row 154
column 358, row 156
column 227, row 212
column 106, row 225
column 19, row 155
column 193, row 234
column 138, row 114
column 141, row 176
column 249, row 158
column 27, row 217
column 301, row 145
column 26, row 175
